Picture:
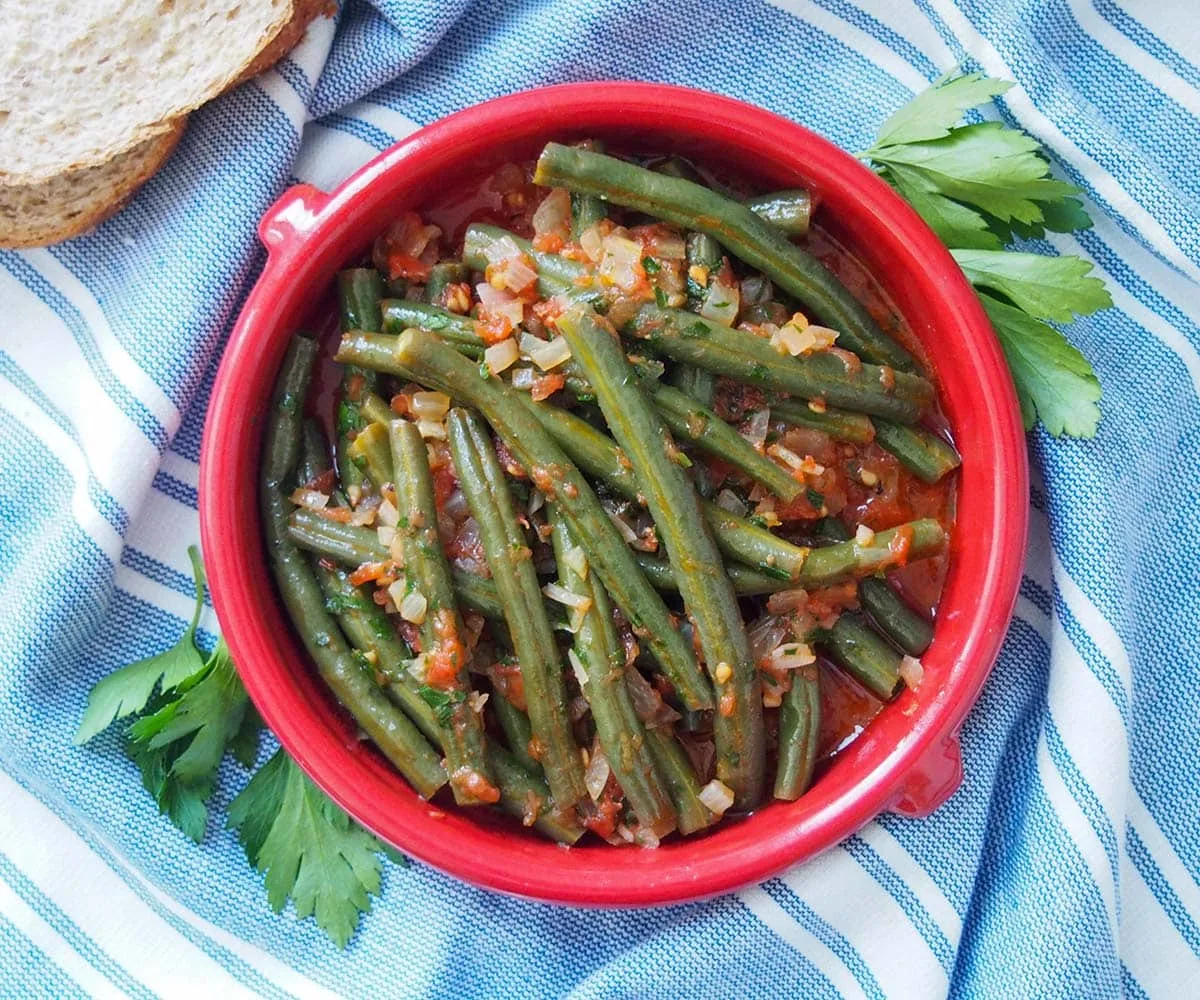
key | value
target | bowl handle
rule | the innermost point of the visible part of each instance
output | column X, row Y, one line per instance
column 932, row 780
column 285, row 224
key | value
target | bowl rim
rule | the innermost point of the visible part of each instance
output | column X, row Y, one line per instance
column 913, row 770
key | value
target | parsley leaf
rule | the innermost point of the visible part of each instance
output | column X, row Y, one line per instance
column 1053, row 288
column 126, row 691
column 990, row 166
column 208, row 715
column 932, row 113
column 310, row 851
column 1055, row 383
column 184, row 803
column 955, row 224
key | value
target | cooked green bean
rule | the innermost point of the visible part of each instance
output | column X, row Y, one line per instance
column 689, row 420
column 586, row 211
column 676, row 768
column 483, row 483
column 441, row 276
column 443, row 649
column 799, row 727
column 370, row 452
column 395, row 735
column 684, row 336
column 892, row 547
column 438, row 365
column 375, row 409
column 839, row 424
column 925, row 454
column 597, row 648
column 517, row 731
column 673, row 503
column 554, row 272
column 401, row 314
column 788, row 211
column 359, row 292
column 737, row 228
column 863, row 653
column 703, row 258
column 525, row 796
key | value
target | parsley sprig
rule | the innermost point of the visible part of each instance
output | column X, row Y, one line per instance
column 981, row 186
column 189, row 712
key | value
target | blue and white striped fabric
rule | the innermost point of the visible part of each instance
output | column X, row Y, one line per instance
column 1067, row 865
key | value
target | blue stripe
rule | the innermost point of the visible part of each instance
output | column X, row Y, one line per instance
column 364, row 131
column 177, row 489
column 137, row 411
column 1146, row 39
column 295, row 78
column 1130, row 986
column 808, row 918
column 1090, row 653
column 1161, row 889
column 1036, row 594
column 898, row 44
column 160, row 573
column 1085, row 796
column 25, row 963
column 108, row 506
column 905, row 897
column 50, row 912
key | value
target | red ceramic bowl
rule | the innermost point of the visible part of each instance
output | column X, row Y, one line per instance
column 908, row 758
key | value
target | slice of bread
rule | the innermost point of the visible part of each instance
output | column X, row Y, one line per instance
column 86, row 120
column 71, row 203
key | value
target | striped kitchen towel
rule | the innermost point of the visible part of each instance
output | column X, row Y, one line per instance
column 1068, row 863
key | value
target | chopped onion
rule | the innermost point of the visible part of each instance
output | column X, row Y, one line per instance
column 576, row 559
column 388, row 514
column 523, row 378
column 717, row 797
column 578, row 668
column 646, row 838
column 429, row 405
column 757, row 427
column 765, row 634
column 567, row 597
column 792, row 655
column 596, row 775
column 783, row 601
column 722, row 300
column 362, row 517
column 502, row 355
column 623, row 527
column 477, row 699
column 413, row 607
column 496, row 302
column 433, row 430
column 396, row 591
column 730, row 501
column 591, row 241
column 501, row 249
column 536, row 502
column 312, row 499
column 553, row 215
column 912, row 671
column 669, row 247
column 622, row 263
column 863, row 535
column 418, row 667
column 385, row 533
column 546, row 354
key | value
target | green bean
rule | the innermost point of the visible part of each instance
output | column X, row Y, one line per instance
column 703, row 255
column 925, row 454
column 597, row 648
column 525, row 796
column 684, row 336
column 689, row 420
column 586, row 211
column 735, row 227
column 864, row 654
column 398, row 739
column 375, row 409
column 359, row 292
column 788, row 211
column 443, row 275
column 746, row 582
column 314, row 459
column 676, row 768
column 799, row 727
column 841, row 425
column 598, row 456
column 673, row 503
column 892, row 547
column 483, row 483
column 517, row 731
column 370, row 452
column 887, row 611
column 436, row 364
column 443, row 649
column 401, row 314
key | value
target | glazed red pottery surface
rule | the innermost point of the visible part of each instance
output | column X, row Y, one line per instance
column 908, row 758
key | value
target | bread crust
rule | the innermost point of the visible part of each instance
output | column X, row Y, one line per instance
column 80, row 197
